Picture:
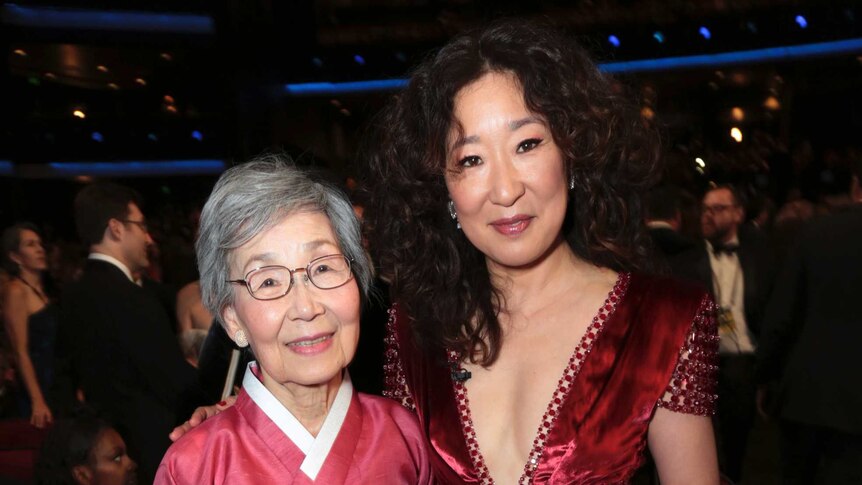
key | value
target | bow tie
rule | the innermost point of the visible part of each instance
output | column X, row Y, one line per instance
column 727, row 249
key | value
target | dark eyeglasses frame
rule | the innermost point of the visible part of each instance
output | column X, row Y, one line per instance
column 141, row 224
column 292, row 272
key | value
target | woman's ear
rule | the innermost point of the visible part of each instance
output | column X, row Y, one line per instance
column 82, row 474
column 231, row 321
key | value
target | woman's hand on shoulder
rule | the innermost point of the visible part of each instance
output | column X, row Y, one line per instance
column 199, row 416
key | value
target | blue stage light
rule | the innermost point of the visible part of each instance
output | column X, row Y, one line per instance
column 614, row 40
column 312, row 89
column 359, row 59
column 197, row 135
column 6, row 167
column 96, row 136
column 658, row 36
column 705, row 33
column 129, row 168
column 801, row 22
column 786, row 53
column 114, row 20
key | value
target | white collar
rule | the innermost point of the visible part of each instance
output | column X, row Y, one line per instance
column 316, row 449
column 116, row 262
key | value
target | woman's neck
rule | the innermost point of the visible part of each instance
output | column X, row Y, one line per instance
column 32, row 278
column 557, row 270
column 309, row 404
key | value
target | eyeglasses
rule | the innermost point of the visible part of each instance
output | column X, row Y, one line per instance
column 273, row 282
column 141, row 224
column 715, row 209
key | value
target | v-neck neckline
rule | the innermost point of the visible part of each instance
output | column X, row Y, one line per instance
column 564, row 386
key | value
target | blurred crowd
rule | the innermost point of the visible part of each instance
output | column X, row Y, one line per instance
column 775, row 258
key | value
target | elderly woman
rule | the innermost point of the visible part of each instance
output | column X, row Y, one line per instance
column 283, row 268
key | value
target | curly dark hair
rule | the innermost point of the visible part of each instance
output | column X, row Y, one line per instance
column 438, row 277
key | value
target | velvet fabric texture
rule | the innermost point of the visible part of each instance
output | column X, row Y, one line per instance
column 659, row 342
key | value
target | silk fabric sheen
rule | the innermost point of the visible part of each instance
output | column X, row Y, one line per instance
column 600, row 433
column 379, row 442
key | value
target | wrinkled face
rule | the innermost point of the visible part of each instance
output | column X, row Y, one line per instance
column 309, row 335
column 720, row 215
column 505, row 173
column 135, row 239
column 109, row 463
column 30, row 254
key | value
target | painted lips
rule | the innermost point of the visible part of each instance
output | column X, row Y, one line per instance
column 512, row 226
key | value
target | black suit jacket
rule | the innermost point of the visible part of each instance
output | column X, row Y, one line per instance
column 669, row 242
column 812, row 339
column 693, row 265
column 115, row 344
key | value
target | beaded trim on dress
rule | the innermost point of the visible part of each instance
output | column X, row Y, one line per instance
column 563, row 387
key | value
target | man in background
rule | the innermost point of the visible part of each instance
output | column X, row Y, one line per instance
column 811, row 345
column 116, row 343
column 734, row 268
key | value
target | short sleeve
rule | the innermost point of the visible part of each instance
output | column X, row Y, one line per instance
column 692, row 388
column 395, row 383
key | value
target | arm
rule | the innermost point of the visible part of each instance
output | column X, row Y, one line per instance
column 683, row 446
column 680, row 434
column 15, row 316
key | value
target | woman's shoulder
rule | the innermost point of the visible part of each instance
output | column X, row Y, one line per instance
column 216, row 432
column 387, row 408
column 667, row 289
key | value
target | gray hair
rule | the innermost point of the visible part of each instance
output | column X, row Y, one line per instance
column 255, row 196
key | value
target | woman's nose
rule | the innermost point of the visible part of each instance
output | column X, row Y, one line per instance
column 506, row 184
column 304, row 303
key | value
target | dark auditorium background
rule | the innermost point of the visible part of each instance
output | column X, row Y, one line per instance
column 163, row 95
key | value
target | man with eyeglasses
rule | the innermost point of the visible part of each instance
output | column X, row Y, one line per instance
column 115, row 342
column 732, row 265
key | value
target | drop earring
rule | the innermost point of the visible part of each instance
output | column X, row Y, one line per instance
column 240, row 339
column 454, row 215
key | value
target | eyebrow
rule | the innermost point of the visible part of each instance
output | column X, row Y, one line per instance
column 269, row 257
column 513, row 126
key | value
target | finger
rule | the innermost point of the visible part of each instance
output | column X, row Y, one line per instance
column 179, row 431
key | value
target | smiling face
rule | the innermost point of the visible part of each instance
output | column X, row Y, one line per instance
column 505, row 174
column 309, row 335
column 30, row 254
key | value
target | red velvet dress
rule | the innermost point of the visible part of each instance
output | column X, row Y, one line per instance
column 652, row 344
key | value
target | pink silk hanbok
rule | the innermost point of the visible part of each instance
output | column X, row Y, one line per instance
column 364, row 440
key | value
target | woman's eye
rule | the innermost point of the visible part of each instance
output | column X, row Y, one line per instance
column 268, row 282
column 321, row 269
column 528, row 145
column 470, row 161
